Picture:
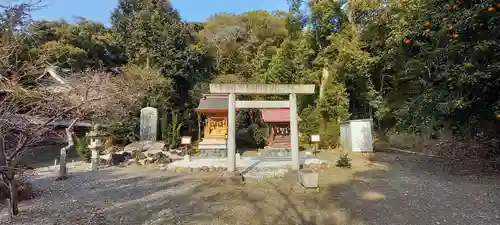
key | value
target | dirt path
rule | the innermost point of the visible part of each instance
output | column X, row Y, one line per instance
column 398, row 189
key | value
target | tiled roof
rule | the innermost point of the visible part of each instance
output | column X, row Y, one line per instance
column 275, row 115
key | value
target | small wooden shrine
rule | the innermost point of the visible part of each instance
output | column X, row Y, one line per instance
column 214, row 107
column 278, row 127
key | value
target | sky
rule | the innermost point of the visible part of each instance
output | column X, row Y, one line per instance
column 190, row 10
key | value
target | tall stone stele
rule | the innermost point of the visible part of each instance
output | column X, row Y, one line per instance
column 149, row 124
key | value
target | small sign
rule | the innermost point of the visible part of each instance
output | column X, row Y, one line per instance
column 315, row 138
column 186, row 140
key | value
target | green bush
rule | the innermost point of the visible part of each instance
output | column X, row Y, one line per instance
column 313, row 124
column 259, row 138
column 82, row 147
column 330, row 135
column 170, row 128
column 344, row 161
column 123, row 131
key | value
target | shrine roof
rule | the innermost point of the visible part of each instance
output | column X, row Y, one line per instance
column 213, row 102
column 275, row 115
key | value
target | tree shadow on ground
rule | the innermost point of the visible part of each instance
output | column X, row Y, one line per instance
column 400, row 193
column 85, row 196
column 415, row 190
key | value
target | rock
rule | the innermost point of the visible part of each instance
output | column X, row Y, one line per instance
column 154, row 151
column 144, row 146
column 127, row 155
column 324, row 165
column 136, row 146
column 138, row 155
column 160, row 158
column 128, row 162
column 211, row 169
column 116, row 159
column 148, row 161
column 204, row 168
column 131, row 162
column 164, row 161
column 103, row 161
column 113, row 150
column 106, row 157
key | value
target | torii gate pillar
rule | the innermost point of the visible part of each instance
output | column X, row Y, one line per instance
column 294, row 132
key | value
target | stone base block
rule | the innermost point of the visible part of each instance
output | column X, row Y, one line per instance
column 213, row 153
column 275, row 152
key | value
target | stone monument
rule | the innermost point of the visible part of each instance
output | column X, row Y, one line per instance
column 149, row 124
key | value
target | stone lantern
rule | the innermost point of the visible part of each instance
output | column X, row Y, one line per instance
column 95, row 147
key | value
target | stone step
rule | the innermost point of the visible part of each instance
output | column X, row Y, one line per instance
column 280, row 144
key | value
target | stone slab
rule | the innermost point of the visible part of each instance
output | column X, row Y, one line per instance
column 212, row 146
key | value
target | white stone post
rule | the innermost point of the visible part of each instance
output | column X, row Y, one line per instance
column 231, row 133
column 294, row 132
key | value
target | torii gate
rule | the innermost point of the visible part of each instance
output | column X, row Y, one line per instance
column 255, row 89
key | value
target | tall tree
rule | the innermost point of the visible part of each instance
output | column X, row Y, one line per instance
column 153, row 35
column 79, row 46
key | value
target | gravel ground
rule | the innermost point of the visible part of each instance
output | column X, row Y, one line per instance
column 396, row 189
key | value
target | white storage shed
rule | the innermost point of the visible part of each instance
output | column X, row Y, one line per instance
column 356, row 135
